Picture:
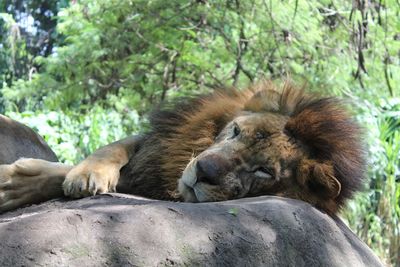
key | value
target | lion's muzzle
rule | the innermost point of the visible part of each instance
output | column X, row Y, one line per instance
column 205, row 178
column 210, row 168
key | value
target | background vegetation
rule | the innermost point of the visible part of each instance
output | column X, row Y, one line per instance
column 83, row 73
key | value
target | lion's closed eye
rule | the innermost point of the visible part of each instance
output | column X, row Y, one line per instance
column 264, row 173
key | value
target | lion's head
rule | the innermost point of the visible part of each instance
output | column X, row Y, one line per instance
column 260, row 141
column 265, row 141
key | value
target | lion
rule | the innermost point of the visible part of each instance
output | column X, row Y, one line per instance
column 231, row 144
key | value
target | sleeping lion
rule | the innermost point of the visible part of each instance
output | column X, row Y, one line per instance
column 231, row 144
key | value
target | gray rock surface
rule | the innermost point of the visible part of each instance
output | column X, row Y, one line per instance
column 122, row 230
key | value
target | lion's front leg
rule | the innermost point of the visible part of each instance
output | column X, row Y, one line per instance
column 99, row 173
column 29, row 181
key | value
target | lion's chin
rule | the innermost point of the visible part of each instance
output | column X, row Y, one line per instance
column 187, row 181
column 187, row 193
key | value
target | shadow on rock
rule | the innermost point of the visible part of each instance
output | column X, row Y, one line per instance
column 122, row 230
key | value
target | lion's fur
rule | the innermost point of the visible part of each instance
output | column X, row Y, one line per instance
column 18, row 140
column 325, row 126
column 181, row 131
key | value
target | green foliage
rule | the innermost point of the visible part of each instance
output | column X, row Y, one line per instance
column 375, row 214
column 36, row 22
column 111, row 61
column 13, row 54
column 159, row 49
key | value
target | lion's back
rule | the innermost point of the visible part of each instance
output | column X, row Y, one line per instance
column 17, row 141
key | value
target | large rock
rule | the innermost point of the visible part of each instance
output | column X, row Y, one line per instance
column 121, row 230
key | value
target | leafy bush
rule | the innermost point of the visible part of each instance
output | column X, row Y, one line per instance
column 375, row 214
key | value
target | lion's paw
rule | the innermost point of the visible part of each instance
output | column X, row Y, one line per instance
column 29, row 181
column 10, row 194
column 91, row 178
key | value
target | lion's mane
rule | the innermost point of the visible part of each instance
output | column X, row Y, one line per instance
column 182, row 130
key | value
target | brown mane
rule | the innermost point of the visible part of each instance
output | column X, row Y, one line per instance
column 325, row 126
column 182, row 130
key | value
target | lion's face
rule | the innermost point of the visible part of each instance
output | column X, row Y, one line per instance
column 251, row 156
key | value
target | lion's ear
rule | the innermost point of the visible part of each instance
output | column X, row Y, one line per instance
column 319, row 178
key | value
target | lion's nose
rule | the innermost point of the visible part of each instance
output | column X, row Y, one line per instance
column 211, row 168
